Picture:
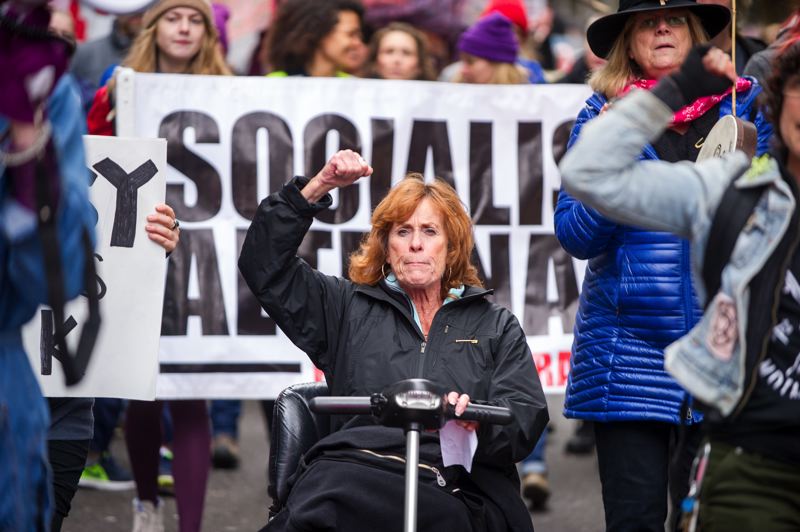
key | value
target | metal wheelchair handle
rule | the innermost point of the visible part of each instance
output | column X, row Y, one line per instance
column 341, row 405
column 346, row 405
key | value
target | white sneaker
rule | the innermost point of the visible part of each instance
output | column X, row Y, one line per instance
column 148, row 517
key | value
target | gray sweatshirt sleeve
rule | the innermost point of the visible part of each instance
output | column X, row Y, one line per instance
column 603, row 171
column 759, row 66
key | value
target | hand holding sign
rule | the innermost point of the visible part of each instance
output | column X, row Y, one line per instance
column 163, row 228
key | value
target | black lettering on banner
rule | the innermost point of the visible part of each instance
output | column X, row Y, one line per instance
column 481, row 179
column 205, row 176
column 48, row 350
column 537, row 311
column 350, row 241
column 381, row 160
column 123, row 233
column 499, row 278
column 315, row 141
column 312, row 242
column 531, row 173
column 560, row 143
column 249, row 320
column 101, row 286
column 226, row 367
column 431, row 135
column 210, row 306
column 244, row 173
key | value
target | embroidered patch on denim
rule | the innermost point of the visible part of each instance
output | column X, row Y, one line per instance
column 722, row 331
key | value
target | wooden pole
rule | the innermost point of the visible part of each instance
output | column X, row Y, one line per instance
column 733, row 53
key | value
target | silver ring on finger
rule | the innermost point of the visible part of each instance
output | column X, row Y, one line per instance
column 176, row 224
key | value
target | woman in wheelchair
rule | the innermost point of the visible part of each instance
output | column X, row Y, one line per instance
column 413, row 307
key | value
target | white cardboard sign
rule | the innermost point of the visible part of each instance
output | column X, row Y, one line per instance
column 128, row 181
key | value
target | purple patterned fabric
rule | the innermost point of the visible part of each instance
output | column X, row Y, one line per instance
column 443, row 17
column 30, row 72
column 221, row 16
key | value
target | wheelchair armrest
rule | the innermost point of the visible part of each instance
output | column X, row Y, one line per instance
column 295, row 429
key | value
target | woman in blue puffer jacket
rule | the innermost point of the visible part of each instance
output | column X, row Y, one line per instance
column 637, row 294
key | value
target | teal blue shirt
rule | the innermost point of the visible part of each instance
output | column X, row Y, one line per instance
column 452, row 295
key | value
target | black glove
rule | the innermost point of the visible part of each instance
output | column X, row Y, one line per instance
column 691, row 81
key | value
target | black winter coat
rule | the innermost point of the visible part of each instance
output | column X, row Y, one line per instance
column 364, row 337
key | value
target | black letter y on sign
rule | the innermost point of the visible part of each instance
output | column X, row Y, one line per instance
column 124, row 231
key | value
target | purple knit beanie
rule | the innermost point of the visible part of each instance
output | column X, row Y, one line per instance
column 491, row 38
column 221, row 16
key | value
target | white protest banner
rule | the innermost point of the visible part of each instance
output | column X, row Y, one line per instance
column 128, row 179
column 232, row 141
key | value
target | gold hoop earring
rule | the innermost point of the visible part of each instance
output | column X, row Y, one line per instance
column 383, row 266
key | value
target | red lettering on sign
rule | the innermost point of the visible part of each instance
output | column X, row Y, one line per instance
column 543, row 362
column 563, row 367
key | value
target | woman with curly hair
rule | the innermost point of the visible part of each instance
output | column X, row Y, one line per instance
column 318, row 38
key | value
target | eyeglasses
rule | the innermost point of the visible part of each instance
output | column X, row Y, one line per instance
column 673, row 21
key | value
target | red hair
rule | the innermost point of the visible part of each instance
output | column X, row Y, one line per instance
column 368, row 262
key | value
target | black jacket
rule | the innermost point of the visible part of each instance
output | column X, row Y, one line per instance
column 364, row 338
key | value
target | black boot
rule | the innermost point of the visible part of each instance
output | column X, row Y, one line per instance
column 582, row 440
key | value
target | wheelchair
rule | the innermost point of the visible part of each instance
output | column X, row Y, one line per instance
column 301, row 418
column 295, row 429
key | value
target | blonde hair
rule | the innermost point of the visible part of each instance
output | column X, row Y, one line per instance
column 509, row 74
column 367, row 263
column 143, row 55
column 503, row 74
column 620, row 69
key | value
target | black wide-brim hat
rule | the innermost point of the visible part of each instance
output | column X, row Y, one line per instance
column 603, row 32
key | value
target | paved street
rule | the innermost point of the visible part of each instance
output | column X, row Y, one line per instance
column 237, row 501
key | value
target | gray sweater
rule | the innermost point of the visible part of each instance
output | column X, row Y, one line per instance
column 91, row 59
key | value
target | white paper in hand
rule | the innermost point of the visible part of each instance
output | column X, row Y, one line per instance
column 458, row 445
